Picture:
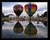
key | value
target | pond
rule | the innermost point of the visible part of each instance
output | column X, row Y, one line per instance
column 8, row 30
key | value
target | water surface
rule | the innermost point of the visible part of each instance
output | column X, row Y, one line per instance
column 8, row 32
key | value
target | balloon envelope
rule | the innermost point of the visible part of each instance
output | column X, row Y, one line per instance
column 18, row 9
column 30, row 9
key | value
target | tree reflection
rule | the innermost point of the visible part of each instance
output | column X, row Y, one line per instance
column 2, row 22
column 45, row 23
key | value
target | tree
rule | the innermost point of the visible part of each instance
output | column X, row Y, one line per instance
column 45, row 14
column 2, row 15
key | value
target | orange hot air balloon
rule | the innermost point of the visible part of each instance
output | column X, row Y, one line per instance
column 18, row 9
column 30, row 9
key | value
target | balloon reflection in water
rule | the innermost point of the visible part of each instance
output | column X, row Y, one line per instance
column 18, row 9
column 30, row 29
column 18, row 28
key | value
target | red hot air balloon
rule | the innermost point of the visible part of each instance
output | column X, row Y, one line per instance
column 18, row 9
column 33, row 8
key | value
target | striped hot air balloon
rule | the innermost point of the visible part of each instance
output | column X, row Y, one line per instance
column 18, row 9
column 30, row 9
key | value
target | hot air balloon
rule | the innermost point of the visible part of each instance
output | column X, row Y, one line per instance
column 18, row 9
column 30, row 9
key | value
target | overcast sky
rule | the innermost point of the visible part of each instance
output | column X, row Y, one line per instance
column 7, row 7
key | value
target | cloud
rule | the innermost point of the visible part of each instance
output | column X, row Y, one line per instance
column 41, row 6
column 9, row 9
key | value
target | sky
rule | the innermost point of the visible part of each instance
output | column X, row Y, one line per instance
column 7, row 8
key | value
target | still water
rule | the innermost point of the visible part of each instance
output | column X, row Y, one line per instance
column 8, row 32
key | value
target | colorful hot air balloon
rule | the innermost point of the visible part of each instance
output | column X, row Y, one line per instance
column 30, row 9
column 18, row 9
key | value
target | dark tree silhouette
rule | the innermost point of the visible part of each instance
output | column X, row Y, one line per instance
column 2, row 15
column 45, row 14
